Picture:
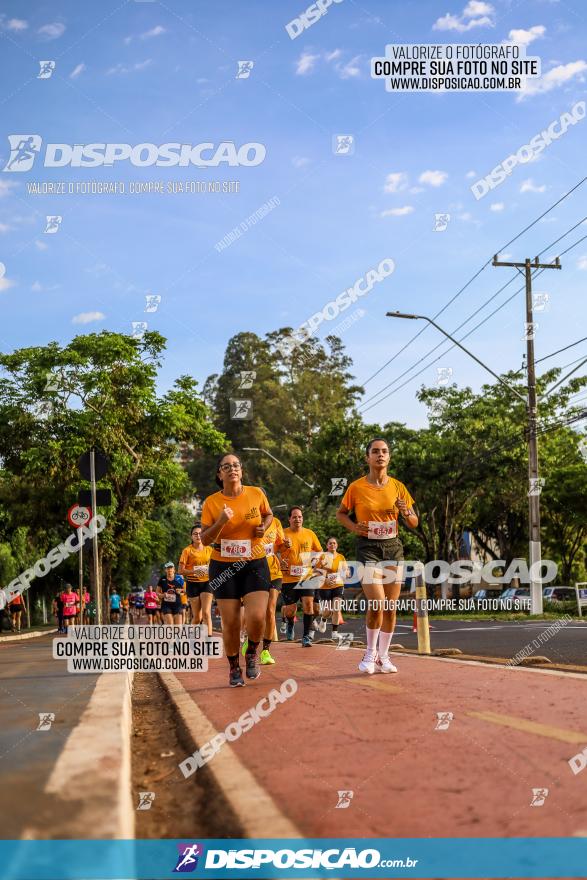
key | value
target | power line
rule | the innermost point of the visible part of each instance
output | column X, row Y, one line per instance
column 473, row 277
column 476, row 327
column 552, row 354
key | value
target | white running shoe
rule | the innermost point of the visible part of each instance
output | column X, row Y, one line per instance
column 322, row 626
column 316, row 625
column 384, row 664
column 367, row 664
column 283, row 627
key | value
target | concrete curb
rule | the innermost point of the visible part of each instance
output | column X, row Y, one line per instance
column 31, row 635
column 255, row 810
column 94, row 769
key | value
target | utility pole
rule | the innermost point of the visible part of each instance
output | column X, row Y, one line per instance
column 534, row 487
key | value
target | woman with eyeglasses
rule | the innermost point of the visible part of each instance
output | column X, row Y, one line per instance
column 234, row 522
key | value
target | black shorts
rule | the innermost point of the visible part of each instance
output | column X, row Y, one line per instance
column 292, row 593
column 151, row 611
column 277, row 583
column 172, row 608
column 228, row 580
column 328, row 594
column 390, row 550
column 195, row 588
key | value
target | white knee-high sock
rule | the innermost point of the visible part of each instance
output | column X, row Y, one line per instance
column 372, row 635
column 384, row 643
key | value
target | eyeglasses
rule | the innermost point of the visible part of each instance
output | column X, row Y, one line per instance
column 230, row 467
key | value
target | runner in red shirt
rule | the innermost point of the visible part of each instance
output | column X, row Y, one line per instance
column 70, row 601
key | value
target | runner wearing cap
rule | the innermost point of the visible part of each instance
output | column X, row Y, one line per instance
column 170, row 588
column 234, row 522
column 297, row 565
column 377, row 501
column 193, row 565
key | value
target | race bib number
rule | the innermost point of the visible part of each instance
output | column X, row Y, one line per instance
column 268, row 549
column 201, row 571
column 169, row 596
column 296, row 570
column 381, row 531
column 235, row 549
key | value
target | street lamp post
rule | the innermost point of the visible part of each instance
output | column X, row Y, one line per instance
column 265, row 452
column 533, row 499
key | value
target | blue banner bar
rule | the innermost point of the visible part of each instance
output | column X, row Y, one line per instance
column 542, row 857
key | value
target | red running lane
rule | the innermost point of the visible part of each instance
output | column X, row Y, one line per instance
column 375, row 735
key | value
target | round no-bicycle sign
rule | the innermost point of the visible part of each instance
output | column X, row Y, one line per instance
column 78, row 516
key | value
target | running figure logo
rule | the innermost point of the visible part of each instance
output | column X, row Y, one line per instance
column 338, row 485
column 46, row 719
column 441, row 222
column 244, row 69
column 444, row 719
column 530, row 328
column 246, row 379
column 540, row 302
column 152, row 302
column 146, row 799
column 443, row 375
column 343, row 144
column 187, row 861
column 345, row 641
column 344, row 800
column 53, row 224
column 536, row 486
column 539, row 795
column 47, row 68
column 138, row 329
column 241, row 409
column 23, row 151
column 145, row 486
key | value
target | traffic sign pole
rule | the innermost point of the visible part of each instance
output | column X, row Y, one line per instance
column 97, row 579
column 82, row 604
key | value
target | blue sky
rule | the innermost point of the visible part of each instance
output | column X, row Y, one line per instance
column 166, row 72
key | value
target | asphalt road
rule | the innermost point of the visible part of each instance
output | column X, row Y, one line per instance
column 489, row 638
column 31, row 682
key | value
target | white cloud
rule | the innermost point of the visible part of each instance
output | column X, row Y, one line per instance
column 154, row 32
column 528, row 186
column 475, row 14
column 556, row 77
column 77, row 70
column 523, row 37
column 36, row 286
column 305, row 63
column 300, row 161
column 466, row 216
column 395, row 181
column 52, row 31
column 433, row 178
column 397, row 212
column 129, row 68
column 497, row 206
column 582, row 263
column 333, row 56
column 471, row 174
column 41, row 245
column 4, row 227
column 88, row 317
column 6, row 283
column 13, row 24
column 350, row 69
column 6, row 187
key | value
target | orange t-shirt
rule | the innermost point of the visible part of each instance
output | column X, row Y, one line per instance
column 237, row 539
column 298, row 557
column 332, row 565
column 191, row 559
column 376, row 505
column 273, row 539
